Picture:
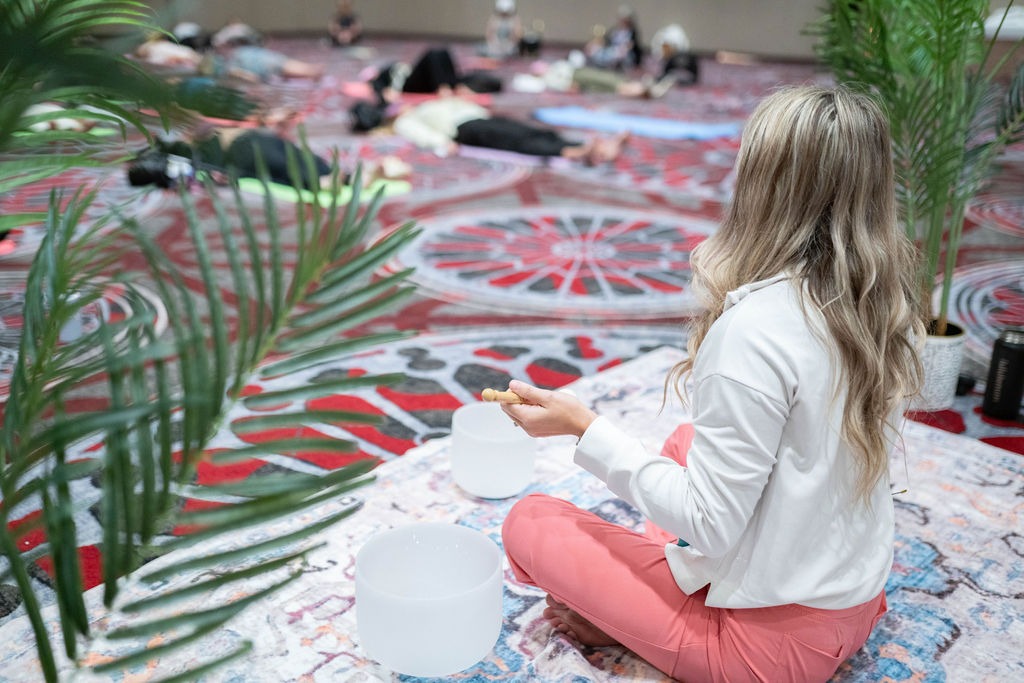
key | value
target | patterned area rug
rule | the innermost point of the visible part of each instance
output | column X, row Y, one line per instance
column 444, row 371
column 985, row 299
column 111, row 307
column 955, row 593
column 553, row 273
column 1001, row 205
column 113, row 193
column 559, row 261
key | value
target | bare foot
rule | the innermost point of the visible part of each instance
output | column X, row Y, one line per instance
column 581, row 152
column 565, row 620
column 387, row 168
column 631, row 89
column 606, row 150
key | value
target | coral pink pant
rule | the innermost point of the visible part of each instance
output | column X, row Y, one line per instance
column 620, row 581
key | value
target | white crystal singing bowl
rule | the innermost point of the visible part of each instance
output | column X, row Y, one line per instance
column 490, row 456
column 428, row 598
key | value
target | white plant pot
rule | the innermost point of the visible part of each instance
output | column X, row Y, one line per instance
column 941, row 358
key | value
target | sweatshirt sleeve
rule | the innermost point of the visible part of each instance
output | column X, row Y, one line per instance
column 710, row 502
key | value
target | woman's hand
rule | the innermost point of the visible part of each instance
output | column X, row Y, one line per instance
column 548, row 413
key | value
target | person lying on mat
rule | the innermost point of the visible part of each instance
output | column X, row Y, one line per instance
column 218, row 151
column 447, row 122
column 677, row 66
column 769, row 525
column 256, row 64
column 252, row 63
column 572, row 75
column 434, row 72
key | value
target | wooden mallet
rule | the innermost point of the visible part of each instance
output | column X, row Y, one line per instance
column 501, row 396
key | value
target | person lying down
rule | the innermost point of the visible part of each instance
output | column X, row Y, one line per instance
column 219, row 151
column 446, row 123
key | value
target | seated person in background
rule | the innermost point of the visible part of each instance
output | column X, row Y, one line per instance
column 678, row 65
column 618, row 47
column 503, row 32
column 345, row 28
column 530, row 43
column 672, row 46
column 221, row 150
column 434, row 72
column 447, row 122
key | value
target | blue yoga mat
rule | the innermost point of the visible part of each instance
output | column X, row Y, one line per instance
column 645, row 126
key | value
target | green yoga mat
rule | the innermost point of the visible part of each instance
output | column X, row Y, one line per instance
column 290, row 194
column 95, row 131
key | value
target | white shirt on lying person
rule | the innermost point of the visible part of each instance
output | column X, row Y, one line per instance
column 434, row 123
column 767, row 500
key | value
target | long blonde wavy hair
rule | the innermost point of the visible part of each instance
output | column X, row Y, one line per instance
column 815, row 197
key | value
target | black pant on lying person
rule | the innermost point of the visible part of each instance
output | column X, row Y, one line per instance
column 510, row 135
column 240, row 157
column 169, row 163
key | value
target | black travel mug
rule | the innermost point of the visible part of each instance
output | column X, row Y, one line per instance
column 1005, row 386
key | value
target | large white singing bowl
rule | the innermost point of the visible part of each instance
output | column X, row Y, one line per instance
column 490, row 456
column 428, row 598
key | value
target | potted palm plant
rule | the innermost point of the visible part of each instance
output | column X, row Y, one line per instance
column 164, row 394
column 928, row 63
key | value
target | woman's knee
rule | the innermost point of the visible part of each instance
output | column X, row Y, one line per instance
column 518, row 534
column 531, row 520
column 520, row 522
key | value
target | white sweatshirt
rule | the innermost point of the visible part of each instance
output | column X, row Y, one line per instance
column 433, row 124
column 767, row 501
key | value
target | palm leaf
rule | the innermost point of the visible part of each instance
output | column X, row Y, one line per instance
column 926, row 61
column 168, row 392
column 50, row 54
column 191, row 375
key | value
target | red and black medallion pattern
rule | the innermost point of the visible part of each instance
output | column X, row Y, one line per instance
column 986, row 299
column 565, row 262
column 696, row 169
column 443, row 371
column 113, row 194
column 446, row 370
column 1001, row 206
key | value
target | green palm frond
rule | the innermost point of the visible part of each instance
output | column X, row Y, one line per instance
column 927, row 61
column 169, row 394
column 166, row 393
column 52, row 51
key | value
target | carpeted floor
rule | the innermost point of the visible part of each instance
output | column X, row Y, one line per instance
column 954, row 594
column 548, row 272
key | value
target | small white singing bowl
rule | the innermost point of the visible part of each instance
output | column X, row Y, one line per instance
column 490, row 456
column 428, row 598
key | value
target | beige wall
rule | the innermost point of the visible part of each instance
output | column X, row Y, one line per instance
column 764, row 27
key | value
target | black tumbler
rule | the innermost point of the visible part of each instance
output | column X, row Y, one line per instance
column 1005, row 386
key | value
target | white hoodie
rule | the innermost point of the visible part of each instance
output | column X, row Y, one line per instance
column 767, row 501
